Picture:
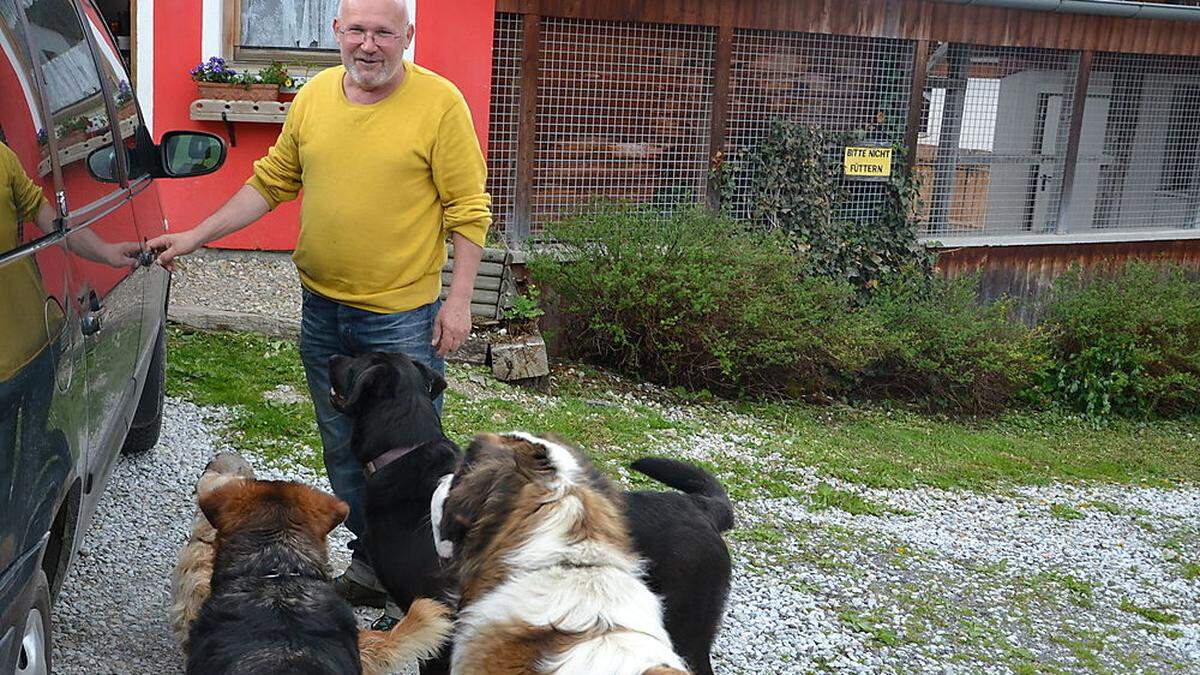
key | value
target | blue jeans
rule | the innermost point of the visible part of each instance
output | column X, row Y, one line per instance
column 328, row 328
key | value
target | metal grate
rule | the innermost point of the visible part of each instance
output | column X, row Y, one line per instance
column 839, row 83
column 504, row 120
column 990, row 153
column 1139, row 157
column 623, row 113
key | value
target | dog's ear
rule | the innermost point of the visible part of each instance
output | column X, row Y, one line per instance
column 546, row 462
column 336, row 512
column 364, row 381
column 533, row 461
column 320, row 510
column 217, row 505
column 435, row 384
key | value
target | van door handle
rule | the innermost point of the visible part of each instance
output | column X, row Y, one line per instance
column 146, row 257
column 90, row 323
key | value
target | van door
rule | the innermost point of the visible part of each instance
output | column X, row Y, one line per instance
column 147, row 210
column 101, row 235
column 43, row 402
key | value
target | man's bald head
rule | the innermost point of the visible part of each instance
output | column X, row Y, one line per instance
column 400, row 6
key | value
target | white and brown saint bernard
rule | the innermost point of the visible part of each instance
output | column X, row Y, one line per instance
column 548, row 580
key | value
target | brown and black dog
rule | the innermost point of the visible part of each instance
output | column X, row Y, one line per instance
column 272, row 608
column 549, row 579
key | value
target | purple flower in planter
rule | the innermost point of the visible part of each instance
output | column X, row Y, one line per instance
column 213, row 70
column 124, row 93
column 42, row 137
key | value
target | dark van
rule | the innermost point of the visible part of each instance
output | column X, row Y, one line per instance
column 82, row 306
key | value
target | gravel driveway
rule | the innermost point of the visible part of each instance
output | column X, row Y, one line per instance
column 1061, row 578
column 945, row 582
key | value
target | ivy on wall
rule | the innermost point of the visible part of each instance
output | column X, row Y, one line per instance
column 797, row 187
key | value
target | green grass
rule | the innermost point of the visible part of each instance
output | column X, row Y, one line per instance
column 826, row 496
column 775, row 440
column 1085, row 647
column 1080, row 590
column 870, row 625
column 1065, row 512
column 1149, row 613
column 890, row 448
column 1107, row 507
column 235, row 369
column 1190, row 571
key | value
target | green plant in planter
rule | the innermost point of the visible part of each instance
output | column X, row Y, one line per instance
column 71, row 125
column 79, row 123
column 276, row 73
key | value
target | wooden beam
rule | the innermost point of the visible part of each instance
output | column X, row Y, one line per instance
column 916, row 101
column 1125, row 109
column 900, row 19
column 527, row 128
column 945, row 166
column 1078, row 103
column 722, row 61
column 231, row 35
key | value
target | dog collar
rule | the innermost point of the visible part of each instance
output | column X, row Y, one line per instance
column 278, row 575
column 372, row 467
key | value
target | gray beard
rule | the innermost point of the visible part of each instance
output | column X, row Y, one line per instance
column 370, row 82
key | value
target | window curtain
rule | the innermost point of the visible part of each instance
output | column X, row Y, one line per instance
column 288, row 24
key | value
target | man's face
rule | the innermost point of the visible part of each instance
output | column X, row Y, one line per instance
column 372, row 36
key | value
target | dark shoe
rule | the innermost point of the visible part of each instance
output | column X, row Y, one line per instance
column 384, row 623
column 357, row 594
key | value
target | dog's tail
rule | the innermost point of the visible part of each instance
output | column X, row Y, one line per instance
column 702, row 486
column 418, row 637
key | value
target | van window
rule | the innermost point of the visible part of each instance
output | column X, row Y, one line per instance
column 78, row 112
column 113, row 73
column 26, row 182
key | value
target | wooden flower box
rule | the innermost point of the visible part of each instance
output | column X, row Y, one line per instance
column 238, row 92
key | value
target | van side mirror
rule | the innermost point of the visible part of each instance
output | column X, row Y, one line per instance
column 185, row 154
column 102, row 164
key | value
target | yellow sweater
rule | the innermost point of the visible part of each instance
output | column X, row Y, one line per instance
column 29, row 319
column 384, row 184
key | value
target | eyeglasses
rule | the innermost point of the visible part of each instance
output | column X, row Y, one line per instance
column 382, row 38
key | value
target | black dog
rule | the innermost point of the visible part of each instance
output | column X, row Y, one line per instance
column 272, row 608
column 687, row 562
column 390, row 398
column 399, row 441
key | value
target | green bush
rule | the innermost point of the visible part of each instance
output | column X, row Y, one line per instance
column 1125, row 340
column 691, row 298
column 939, row 347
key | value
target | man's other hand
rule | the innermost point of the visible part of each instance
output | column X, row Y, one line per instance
column 452, row 325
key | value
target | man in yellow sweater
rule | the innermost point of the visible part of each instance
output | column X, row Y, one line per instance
column 389, row 163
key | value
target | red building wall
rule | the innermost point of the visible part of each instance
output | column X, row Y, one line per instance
column 454, row 39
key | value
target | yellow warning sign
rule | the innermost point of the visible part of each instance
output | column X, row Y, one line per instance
column 868, row 163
